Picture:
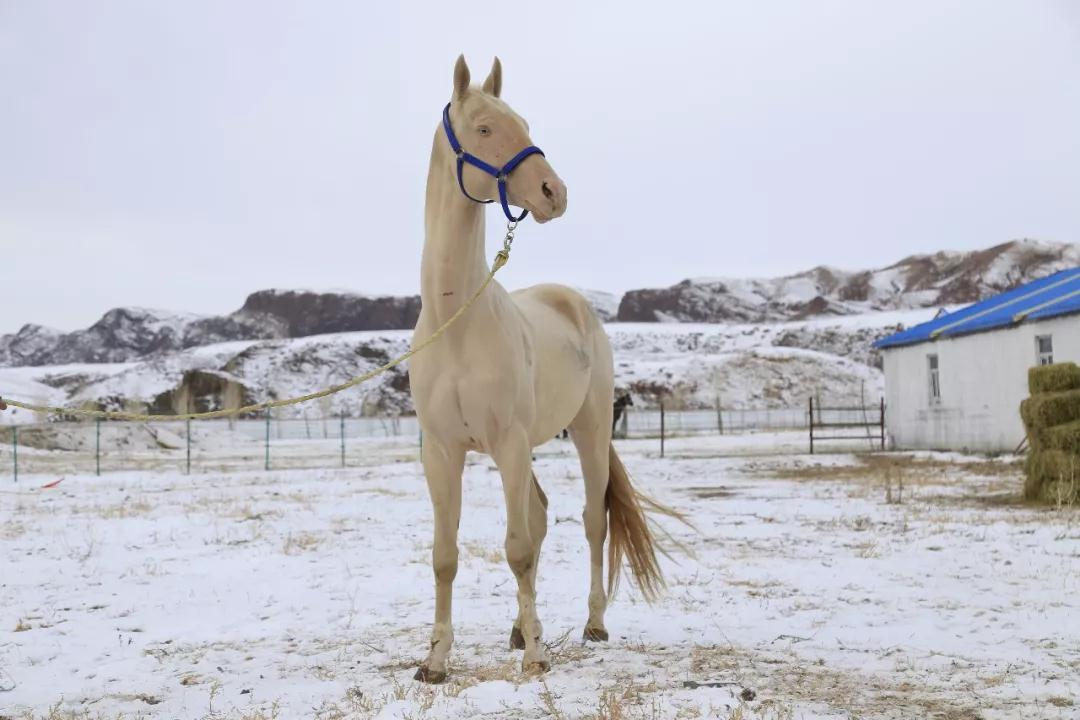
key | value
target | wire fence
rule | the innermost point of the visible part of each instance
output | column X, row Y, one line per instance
column 647, row 423
column 269, row 443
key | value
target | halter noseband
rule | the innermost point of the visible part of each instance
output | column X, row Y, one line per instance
column 500, row 174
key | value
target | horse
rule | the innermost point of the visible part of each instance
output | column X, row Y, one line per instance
column 625, row 400
column 515, row 370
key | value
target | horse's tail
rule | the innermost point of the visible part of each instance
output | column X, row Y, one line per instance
column 631, row 536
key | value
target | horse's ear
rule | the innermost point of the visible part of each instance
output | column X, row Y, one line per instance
column 461, row 77
column 493, row 84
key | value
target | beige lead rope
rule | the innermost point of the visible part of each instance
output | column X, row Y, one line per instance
column 501, row 258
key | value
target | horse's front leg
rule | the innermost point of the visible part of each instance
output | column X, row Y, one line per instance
column 442, row 467
column 524, row 505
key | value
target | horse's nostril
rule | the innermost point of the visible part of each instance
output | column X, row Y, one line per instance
column 547, row 191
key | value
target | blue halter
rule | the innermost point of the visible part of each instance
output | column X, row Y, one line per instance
column 500, row 174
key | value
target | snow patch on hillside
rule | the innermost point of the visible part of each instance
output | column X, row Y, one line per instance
column 688, row 365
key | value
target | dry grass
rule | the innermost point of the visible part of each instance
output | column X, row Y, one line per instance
column 386, row 492
column 12, row 529
column 242, row 509
column 761, row 588
column 58, row 712
column 269, row 713
column 189, row 679
column 300, row 543
column 548, row 702
column 246, row 513
column 915, row 469
column 127, row 508
column 901, row 479
column 867, row 549
column 860, row 695
column 476, row 549
column 624, row 699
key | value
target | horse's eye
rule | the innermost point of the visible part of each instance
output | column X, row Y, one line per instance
column 484, row 130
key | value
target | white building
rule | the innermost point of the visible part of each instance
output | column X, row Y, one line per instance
column 956, row 382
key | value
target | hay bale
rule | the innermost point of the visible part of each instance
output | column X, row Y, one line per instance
column 1032, row 430
column 1052, row 476
column 1049, row 409
column 1052, row 420
column 1064, row 437
column 1053, row 378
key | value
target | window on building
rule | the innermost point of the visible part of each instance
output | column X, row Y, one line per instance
column 935, row 379
column 1044, row 349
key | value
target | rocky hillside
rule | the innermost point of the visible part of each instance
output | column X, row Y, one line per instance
column 690, row 366
column 126, row 334
column 944, row 278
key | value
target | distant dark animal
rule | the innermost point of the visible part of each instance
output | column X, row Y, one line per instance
column 621, row 403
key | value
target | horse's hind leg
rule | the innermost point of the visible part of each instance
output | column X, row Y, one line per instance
column 443, row 468
column 591, row 433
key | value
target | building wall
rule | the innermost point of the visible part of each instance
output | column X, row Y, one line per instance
column 983, row 378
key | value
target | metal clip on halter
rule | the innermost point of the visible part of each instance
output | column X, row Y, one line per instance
column 503, row 256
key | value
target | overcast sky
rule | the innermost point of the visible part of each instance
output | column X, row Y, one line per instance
column 181, row 155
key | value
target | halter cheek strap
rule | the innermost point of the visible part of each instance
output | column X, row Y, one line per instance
column 500, row 174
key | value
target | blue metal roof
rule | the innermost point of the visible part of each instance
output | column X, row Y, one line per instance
column 1057, row 294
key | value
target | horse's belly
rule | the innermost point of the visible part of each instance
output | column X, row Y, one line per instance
column 562, row 377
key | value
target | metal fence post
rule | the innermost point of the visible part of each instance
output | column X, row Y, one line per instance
column 188, row 446
column 719, row 416
column 97, row 447
column 882, row 423
column 342, row 439
column 267, row 464
column 662, row 428
column 15, row 450
column 811, row 425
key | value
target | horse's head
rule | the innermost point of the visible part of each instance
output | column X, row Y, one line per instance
column 489, row 130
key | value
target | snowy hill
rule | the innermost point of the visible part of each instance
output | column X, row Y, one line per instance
column 944, row 278
column 776, row 365
column 128, row 334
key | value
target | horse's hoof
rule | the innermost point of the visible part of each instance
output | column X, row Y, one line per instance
column 536, row 667
column 517, row 640
column 431, row 677
column 595, row 635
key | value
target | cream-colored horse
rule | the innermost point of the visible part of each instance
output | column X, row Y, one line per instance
column 512, row 373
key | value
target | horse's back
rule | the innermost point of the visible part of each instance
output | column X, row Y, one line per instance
column 560, row 301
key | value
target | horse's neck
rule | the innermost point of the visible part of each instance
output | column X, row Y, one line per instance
column 453, row 265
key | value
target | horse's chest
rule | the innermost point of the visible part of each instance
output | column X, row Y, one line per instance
column 474, row 410
column 470, row 391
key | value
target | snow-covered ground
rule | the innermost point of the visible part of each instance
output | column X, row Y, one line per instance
column 818, row 587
